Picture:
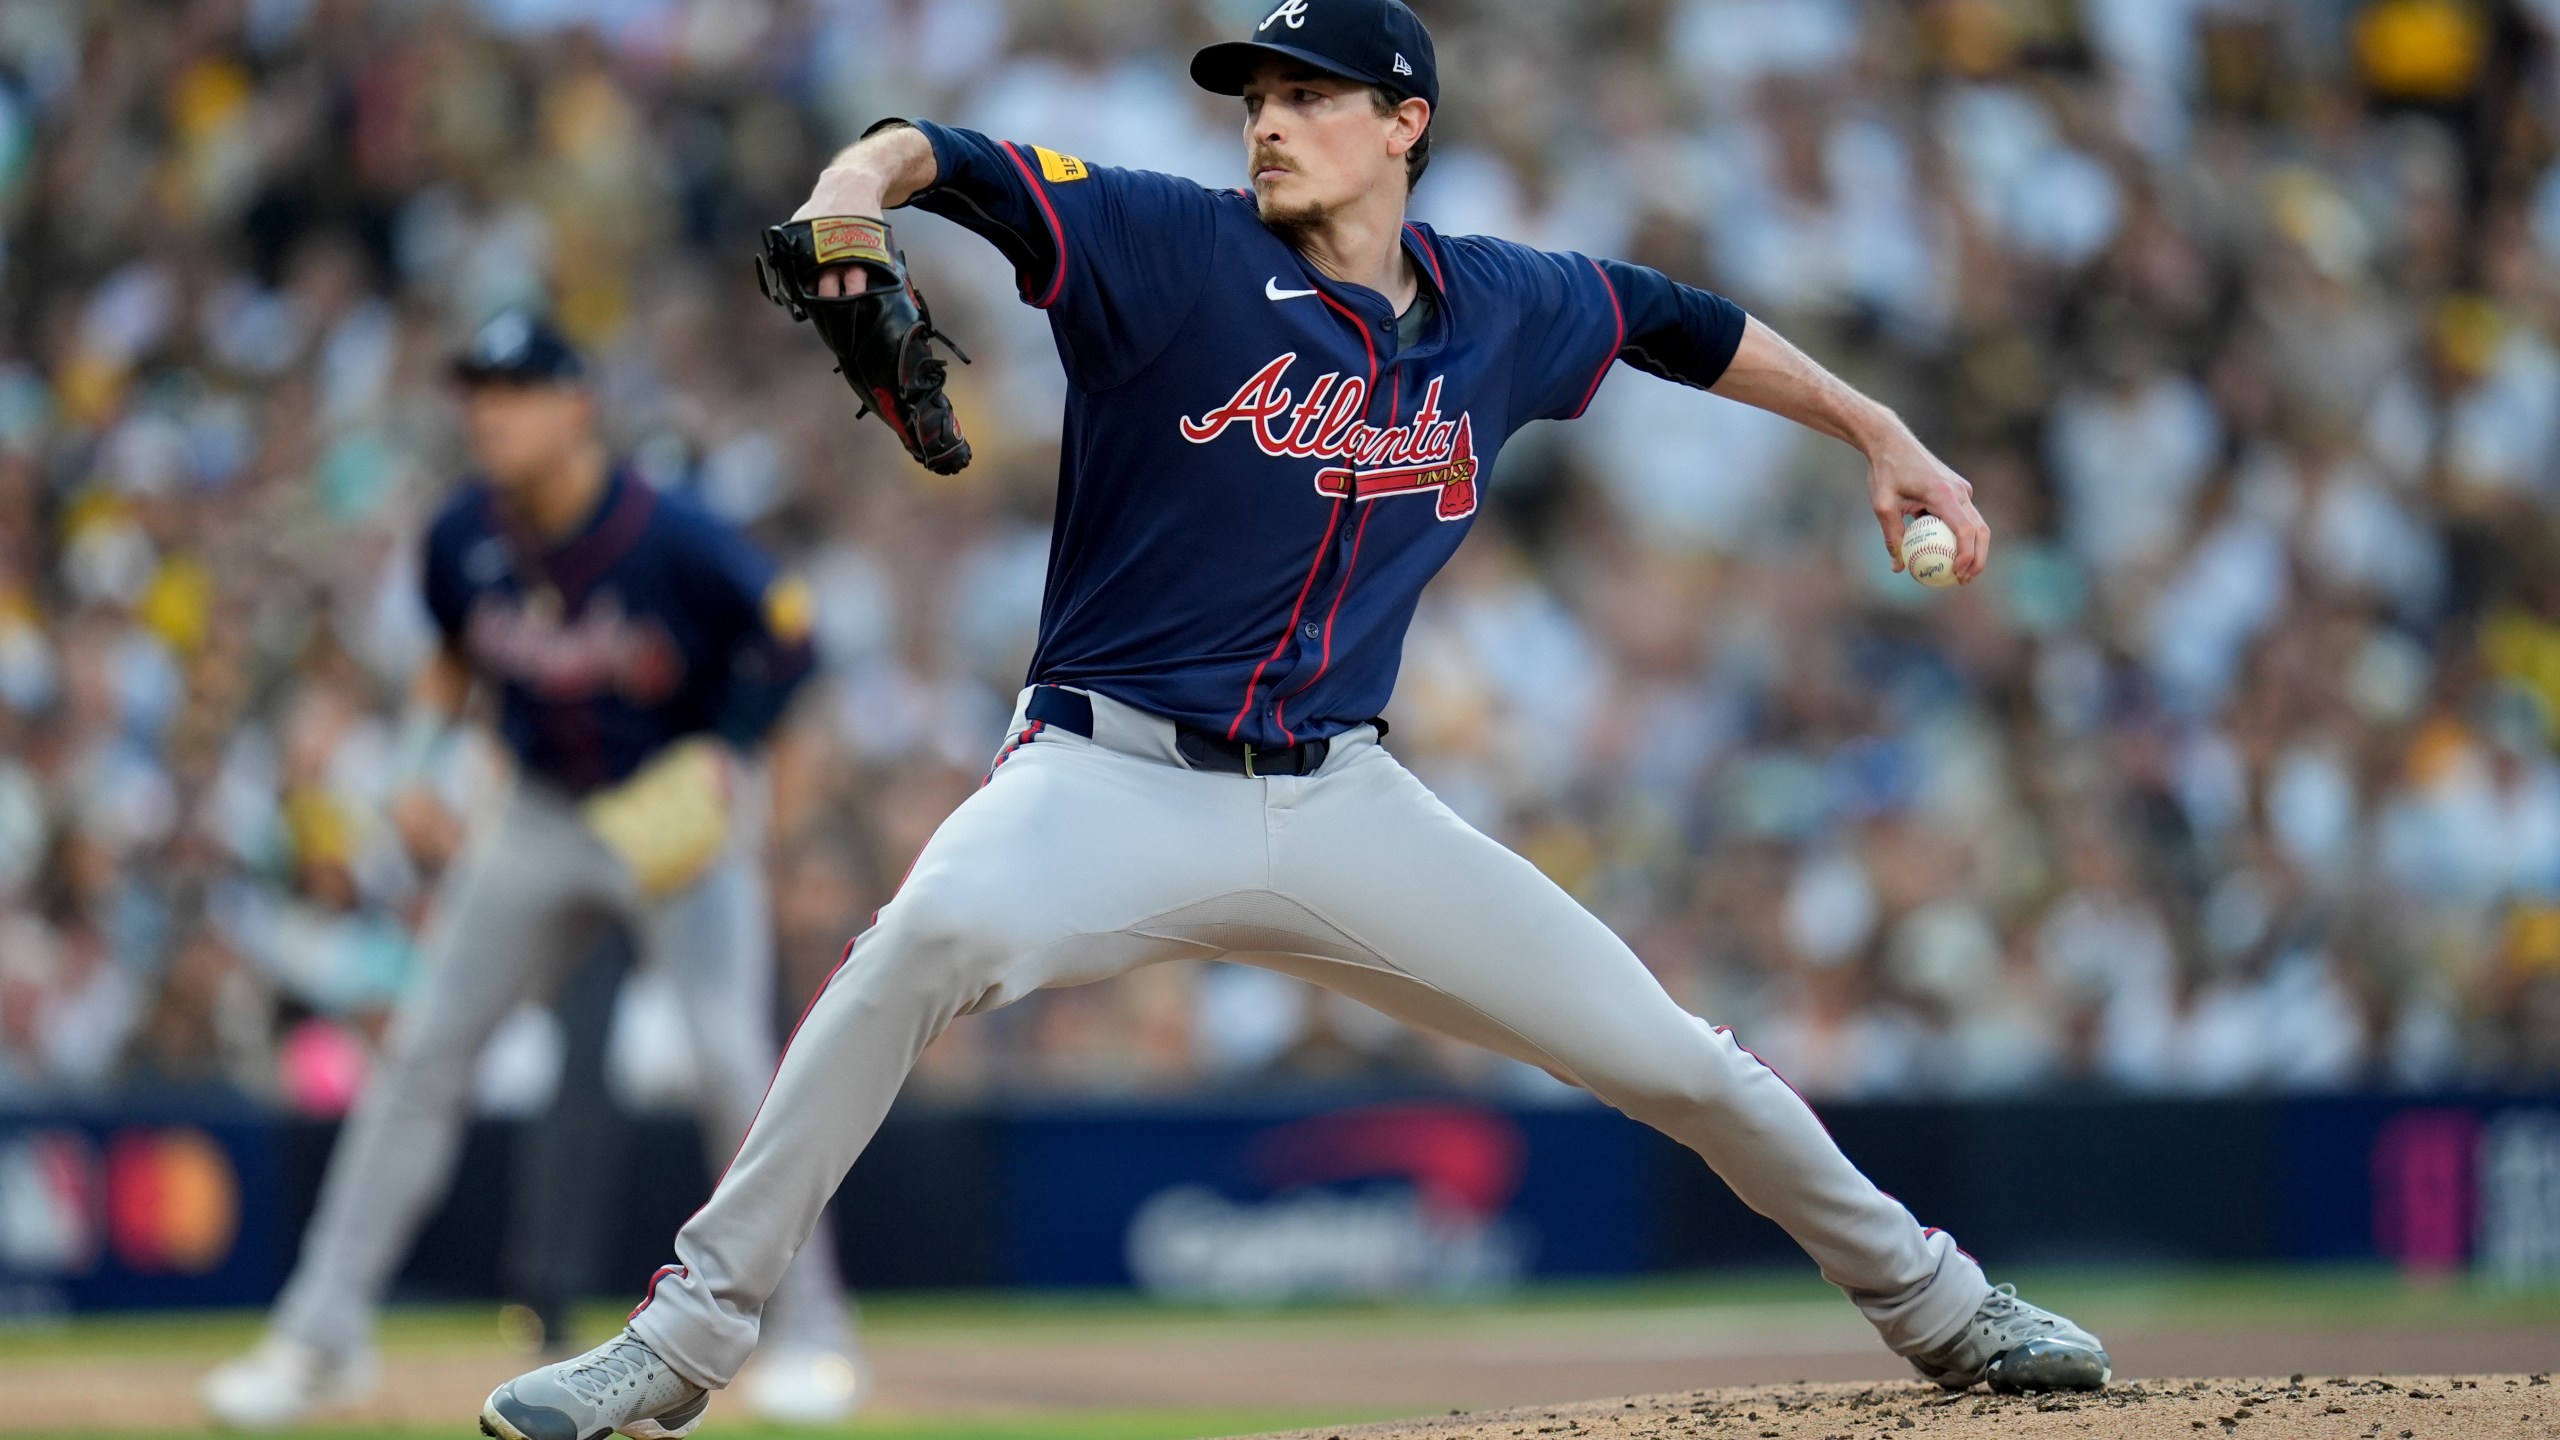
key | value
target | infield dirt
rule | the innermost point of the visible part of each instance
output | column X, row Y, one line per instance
column 2400, row 1407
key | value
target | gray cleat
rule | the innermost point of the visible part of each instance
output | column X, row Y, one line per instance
column 619, row 1388
column 2018, row 1348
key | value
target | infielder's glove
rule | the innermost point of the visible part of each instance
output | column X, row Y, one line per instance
column 670, row 820
column 880, row 336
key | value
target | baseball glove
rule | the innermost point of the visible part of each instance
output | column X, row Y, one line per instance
column 670, row 820
column 880, row 336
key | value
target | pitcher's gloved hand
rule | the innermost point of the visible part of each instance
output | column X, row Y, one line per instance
column 880, row 332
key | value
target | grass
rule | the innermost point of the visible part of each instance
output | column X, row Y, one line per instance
column 2341, row 1297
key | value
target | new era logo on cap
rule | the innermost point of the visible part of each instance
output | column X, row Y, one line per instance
column 1403, row 66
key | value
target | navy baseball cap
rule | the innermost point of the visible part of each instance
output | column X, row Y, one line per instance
column 1376, row 42
column 518, row 348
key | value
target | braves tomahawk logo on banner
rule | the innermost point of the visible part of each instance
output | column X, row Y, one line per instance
column 1429, row 452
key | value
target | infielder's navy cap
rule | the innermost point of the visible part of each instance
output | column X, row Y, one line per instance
column 518, row 348
column 1376, row 42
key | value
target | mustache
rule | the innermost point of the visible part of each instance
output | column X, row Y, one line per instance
column 1264, row 159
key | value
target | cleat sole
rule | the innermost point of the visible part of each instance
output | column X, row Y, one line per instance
column 2040, row 1365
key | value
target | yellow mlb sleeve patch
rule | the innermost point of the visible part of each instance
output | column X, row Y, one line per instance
column 1058, row 169
column 788, row 609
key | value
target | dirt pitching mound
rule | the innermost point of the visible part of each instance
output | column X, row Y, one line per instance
column 2399, row 1407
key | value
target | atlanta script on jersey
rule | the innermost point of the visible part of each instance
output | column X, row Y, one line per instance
column 1371, row 462
column 1257, row 479
column 652, row 622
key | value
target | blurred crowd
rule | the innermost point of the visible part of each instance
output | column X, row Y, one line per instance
column 2236, row 773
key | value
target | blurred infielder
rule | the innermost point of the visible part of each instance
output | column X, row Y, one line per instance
column 1282, row 403
column 639, row 648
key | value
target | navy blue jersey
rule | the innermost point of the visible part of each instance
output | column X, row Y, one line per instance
column 1257, row 479
column 653, row 622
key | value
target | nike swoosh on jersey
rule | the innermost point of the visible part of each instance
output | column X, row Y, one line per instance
column 1271, row 290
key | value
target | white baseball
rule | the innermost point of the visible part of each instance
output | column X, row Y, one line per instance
column 1929, row 551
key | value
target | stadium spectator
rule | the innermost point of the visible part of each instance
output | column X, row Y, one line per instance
column 2236, row 773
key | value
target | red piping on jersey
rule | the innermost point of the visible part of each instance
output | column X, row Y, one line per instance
column 1351, row 567
column 1608, row 360
column 575, row 566
column 1347, row 570
column 596, row 551
column 1294, row 612
column 1365, row 342
column 1057, row 277
column 1429, row 258
column 1331, row 523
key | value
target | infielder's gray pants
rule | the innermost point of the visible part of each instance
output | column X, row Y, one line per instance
column 526, row 902
column 1082, row 859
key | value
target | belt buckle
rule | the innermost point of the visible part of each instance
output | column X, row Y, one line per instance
column 1248, row 760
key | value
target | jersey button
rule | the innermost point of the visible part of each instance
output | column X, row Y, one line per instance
column 1309, row 630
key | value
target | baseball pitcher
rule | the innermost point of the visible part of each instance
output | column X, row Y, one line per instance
column 639, row 648
column 1282, row 403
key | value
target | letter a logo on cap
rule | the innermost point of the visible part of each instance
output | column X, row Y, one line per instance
column 1293, row 11
column 503, row 341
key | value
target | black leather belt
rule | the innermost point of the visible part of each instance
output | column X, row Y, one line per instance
column 1072, row 711
column 1206, row 751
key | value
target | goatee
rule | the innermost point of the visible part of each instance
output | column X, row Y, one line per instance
column 1294, row 224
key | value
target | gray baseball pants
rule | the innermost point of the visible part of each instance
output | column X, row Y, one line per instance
column 527, row 901
column 1081, row 859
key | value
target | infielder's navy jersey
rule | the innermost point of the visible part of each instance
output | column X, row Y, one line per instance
column 655, row 621
column 1257, row 480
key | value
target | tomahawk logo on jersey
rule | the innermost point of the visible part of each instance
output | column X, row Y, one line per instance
column 1258, row 475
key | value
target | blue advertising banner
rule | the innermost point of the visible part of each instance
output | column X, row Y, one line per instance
column 2433, row 1185
column 1245, row 1206
column 99, row 1213
column 1253, row 1202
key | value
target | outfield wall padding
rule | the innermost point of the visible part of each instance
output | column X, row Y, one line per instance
column 1254, row 1200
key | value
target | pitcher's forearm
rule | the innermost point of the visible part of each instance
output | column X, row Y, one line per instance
column 881, row 171
column 1903, row 478
column 1773, row 375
